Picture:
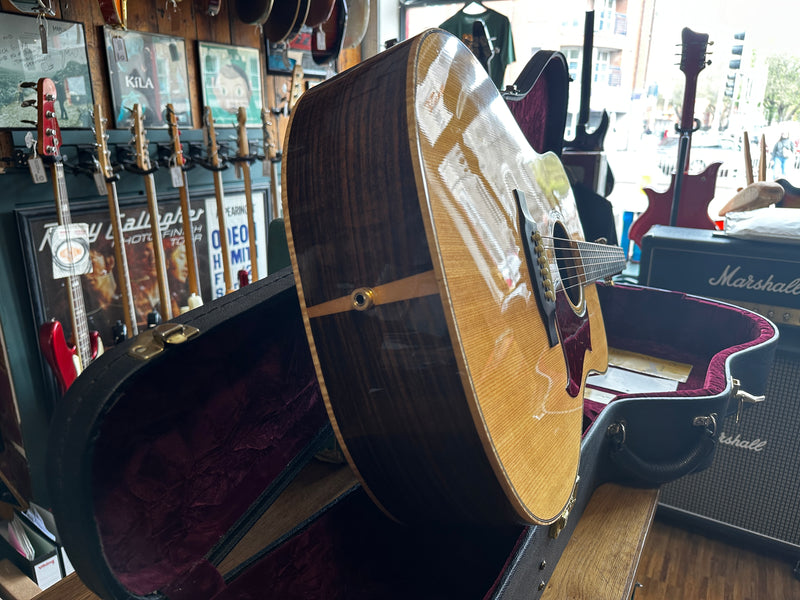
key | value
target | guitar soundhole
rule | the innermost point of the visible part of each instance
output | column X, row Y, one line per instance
column 569, row 265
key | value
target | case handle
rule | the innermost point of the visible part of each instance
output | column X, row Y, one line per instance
column 662, row 472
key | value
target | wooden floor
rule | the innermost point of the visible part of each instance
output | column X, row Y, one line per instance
column 678, row 565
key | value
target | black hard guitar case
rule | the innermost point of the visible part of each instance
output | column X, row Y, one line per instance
column 185, row 463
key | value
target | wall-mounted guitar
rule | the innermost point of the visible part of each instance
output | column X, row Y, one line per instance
column 685, row 201
column 243, row 158
column 67, row 361
column 145, row 168
column 115, row 12
column 178, row 162
column 327, row 38
column 120, row 257
column 216, row 166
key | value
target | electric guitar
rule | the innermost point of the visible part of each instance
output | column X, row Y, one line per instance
column 66, row 360
column 146, row 169
column 446, row 288
column 219, row 192
column 685, row 202
column 120, row 256
column 244, row 158
column 178, row 161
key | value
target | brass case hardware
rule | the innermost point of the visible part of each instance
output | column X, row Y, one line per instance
column 153, row 341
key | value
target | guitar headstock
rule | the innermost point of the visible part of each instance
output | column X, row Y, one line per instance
column 693, row 54
column 175, row 136
column 140, row 139
column 48, row 143
column 270, row 147
column 241, row 129
column 103, row 154
column 213, row 148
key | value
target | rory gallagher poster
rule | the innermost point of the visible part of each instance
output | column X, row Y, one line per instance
column 101, row 290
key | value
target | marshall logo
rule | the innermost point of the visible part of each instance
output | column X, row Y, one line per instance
column 731, row 278
column 756, row 445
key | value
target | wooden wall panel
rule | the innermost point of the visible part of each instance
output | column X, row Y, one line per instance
column 186, row 19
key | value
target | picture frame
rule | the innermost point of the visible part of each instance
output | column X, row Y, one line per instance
column 149, row 69
column 231, row 77
column 66, row 63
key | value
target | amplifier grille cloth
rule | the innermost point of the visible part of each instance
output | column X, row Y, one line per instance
column 755, row 488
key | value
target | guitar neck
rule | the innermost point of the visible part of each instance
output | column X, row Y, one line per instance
column 158, row 248
column 599, row 261
column 122, row 260
column 80, row 327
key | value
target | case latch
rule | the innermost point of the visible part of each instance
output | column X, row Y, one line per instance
column 557, row 527
column 153, row 341
column 741, row 397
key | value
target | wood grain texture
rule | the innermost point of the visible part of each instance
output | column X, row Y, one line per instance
column 600, row 560
column 462, row 390
column 677, row 563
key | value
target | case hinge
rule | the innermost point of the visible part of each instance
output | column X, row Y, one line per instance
column 153, row 341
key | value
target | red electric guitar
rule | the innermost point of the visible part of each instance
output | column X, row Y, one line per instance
column 66, row 360
column 685, row 201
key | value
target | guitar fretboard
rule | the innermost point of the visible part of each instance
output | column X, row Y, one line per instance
column 80, row 328
column 600, row 261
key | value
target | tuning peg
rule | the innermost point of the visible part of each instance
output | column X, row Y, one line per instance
column 28, row 103
column 27, row 121
column 28, row 84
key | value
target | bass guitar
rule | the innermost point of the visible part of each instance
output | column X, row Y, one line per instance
column 446, row 288
column 66, row 360
column 685, row 202
column 120, row 256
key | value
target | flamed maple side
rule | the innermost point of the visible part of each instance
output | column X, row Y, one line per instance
column 398, row 191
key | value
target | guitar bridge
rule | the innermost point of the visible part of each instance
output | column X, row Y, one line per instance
column 538, row 267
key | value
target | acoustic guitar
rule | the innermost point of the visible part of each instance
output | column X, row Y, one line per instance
column 685, row 202
column 446, row 288
column 66, row 360
column 328, row 37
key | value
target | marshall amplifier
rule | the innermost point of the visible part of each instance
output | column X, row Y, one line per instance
column 751, row 490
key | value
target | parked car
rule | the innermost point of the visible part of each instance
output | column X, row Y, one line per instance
column 705, row 149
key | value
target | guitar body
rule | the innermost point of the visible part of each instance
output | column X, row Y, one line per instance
column 326, row 40
column 357, row 22
column 253, row 12
column 698, row 191
column 432, row 355
column 285, row 20
column 114, row 12
column 319, row 11
column 63, row 357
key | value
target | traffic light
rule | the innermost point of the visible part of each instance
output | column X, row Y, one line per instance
column 736, row 50
column 729, row 85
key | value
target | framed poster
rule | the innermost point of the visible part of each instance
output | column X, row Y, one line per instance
column 231, row 77
column 65, row 62
column 100, row 288
column 148, row 69
column 282, row 58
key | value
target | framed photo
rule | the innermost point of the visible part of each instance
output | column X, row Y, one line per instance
column 101, row 294
column 148, row 69
column 231, row 77
column 66, row 63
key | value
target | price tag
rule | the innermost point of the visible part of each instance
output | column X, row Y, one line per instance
column 100, row 182
column 38, row 172
column 321, row 42
column 176, row 173
column 120, row 51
